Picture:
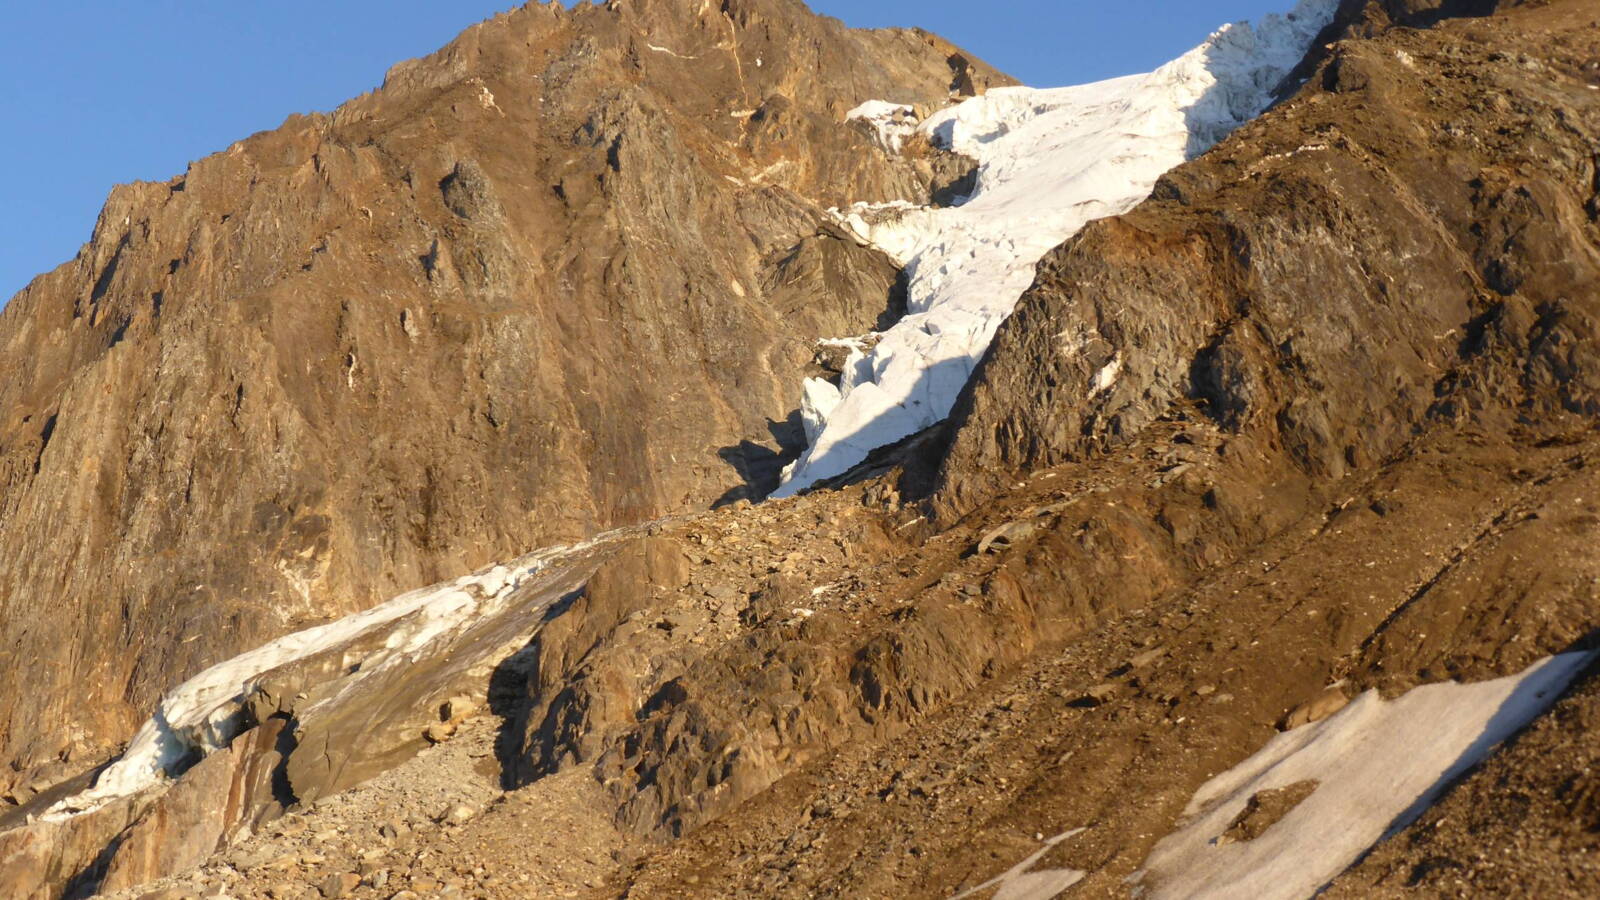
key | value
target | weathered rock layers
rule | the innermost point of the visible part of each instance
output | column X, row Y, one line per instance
column 1318, row 417
column 561, row 275
column 1398, row 266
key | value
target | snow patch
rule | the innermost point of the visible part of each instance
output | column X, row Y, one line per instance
column 1050, row 161
column 892, row 123
column 1018, row 883
column 669, row 51
column 1106, row 377
column 1379, row 766
column 205, row 713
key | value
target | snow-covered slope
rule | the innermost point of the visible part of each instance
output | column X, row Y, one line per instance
column 1051, row 161
column 1376, row 766
column 204, row 714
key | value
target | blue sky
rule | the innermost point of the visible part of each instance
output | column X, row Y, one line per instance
column 106, row 92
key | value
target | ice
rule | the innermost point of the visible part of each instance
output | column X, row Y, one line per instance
column 1378, row 765
column 816, row 404
column 204, row 713
column 892, row 123
column 1050, row 162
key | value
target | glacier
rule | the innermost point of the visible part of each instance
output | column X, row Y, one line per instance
column 1050, row 161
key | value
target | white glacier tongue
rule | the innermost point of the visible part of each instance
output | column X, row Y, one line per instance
column 1050, row 162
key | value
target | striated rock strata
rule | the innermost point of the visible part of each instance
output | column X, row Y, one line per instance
column 1317, row 418
column 560, row 276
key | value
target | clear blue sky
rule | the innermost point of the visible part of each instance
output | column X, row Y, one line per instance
column 105, row 91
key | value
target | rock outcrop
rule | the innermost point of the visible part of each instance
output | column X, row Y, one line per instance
column 1300, row 420
column 560, row 276
column 1317, row 418
column 1329, row 281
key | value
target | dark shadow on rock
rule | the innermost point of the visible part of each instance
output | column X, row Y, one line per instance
column 282, row 787
column 957, row 190
column 899, row 295
column 86, row 882
column 511, row 700
column 759, row 465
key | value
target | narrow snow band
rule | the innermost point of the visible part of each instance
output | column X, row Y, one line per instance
column 1021, row 882
column 1050, row 161
column 1377, row 766
column 203, row 714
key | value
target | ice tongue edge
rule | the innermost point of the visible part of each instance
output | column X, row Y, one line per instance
column 1050, row 161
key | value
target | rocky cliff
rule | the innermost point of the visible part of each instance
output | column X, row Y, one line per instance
column 1299, row 440
column 562, row 275
column 1317, row 418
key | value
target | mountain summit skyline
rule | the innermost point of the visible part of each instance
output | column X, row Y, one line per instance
column 697, row 448
column 136, row 94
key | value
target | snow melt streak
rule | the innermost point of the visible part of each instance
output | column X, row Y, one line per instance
column 1050, row 161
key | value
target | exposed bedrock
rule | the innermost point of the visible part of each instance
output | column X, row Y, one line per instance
column 1379, row 254
column 1318, row 417
column 562, row 275
column 1383, row 288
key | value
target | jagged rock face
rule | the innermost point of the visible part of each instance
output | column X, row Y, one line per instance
column 1402, row 244
column 559, row 276
column 1322, row 412
column 1386, row 284
column 1318, row 418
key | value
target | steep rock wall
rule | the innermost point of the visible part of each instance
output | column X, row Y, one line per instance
column 561, row 275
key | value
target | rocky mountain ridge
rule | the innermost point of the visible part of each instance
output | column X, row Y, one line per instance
column 1348, row 444
column 375, row 349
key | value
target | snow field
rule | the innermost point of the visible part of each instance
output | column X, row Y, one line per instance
column 1378, row 766
column 202, row 715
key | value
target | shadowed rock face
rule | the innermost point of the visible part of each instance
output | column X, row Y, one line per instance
column 528, row 289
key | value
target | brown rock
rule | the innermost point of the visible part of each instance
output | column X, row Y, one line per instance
column 1323, row 705
column 429, row 331
column 458, row 708
column 169, row 894
column 1146, row 658
column 189, row 822
column 457, row 814
column 1099, row 694
column 339, row 884
column 1264, row 809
